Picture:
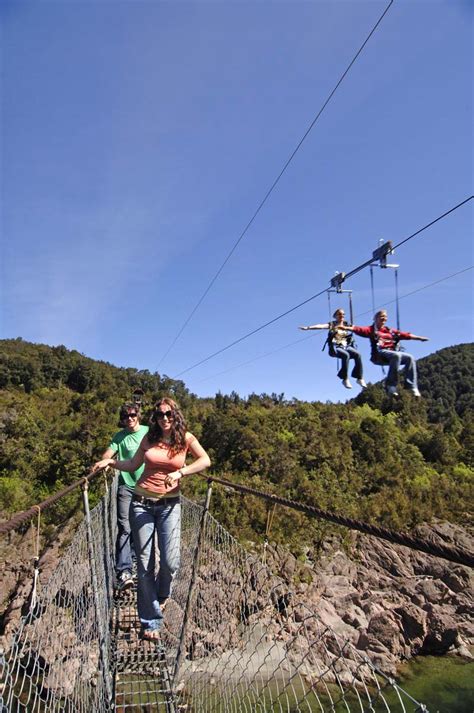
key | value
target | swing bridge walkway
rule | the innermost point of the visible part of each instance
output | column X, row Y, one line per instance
column 235, row 638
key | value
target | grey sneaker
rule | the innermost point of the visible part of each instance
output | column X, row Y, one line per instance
column 392, row 390
column 124, row 581
column 416, row 393
column 361, row 383
column 347, row 383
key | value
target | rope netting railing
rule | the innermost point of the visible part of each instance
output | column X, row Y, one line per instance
column 235, row 637
column 252, row 646
column 58, row 658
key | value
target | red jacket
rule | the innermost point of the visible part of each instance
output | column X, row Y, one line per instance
column 384, row 338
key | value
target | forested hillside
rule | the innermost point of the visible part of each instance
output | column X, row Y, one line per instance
column 394, row 462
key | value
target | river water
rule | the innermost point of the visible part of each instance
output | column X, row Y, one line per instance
column 445, row 684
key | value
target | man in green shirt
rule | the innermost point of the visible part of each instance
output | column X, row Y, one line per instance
column 125, row 444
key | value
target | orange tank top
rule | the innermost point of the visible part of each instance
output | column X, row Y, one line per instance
column 158, row 463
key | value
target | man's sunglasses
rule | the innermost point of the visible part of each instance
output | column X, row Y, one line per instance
column 160, row 415
column 130, row 415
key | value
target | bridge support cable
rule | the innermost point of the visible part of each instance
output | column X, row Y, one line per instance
column 58, row 658
column 253, row 644
column 21, row 517
column 101, row 612
column 192, row 584
column 242, row 640
column 453, row 554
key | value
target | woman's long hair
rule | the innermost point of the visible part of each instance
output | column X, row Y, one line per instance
column 177, row 442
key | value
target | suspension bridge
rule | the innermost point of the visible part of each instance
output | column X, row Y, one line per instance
column 235, row 637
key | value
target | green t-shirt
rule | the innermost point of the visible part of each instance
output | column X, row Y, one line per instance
column 126, row 444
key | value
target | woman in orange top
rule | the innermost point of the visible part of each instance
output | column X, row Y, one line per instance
column 156, row 508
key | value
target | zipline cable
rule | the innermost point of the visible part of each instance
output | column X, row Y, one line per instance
column 275, row 182
column 410, row 237
column 420, row 289
column 262, row 356
column 311, row 336
column 304, row 339
column 318, row 294
column 254, row 331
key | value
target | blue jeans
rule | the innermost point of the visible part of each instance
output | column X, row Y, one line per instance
column 123, row 551
column 164, row 519
column 395, row 361
column 345, row 354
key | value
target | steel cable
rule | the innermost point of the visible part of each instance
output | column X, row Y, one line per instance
column 453, row 554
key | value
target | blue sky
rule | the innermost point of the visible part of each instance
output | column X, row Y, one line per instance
column 138, row 139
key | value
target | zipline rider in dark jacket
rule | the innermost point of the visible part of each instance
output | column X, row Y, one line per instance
column 341, row 347
column 384, row 351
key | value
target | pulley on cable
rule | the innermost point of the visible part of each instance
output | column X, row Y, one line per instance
column 384, row 340
column 379, row 258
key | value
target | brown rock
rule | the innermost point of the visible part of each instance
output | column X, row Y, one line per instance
column 414, row 622
column 442, row 632
column 457, row 580
column 432, row 590
column 385, row 628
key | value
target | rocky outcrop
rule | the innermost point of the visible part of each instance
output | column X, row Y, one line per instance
column 387, row 602
column 392, row 602
column 17, row 552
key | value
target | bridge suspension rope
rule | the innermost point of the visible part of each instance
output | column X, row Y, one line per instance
column 453, row 554
column 25, row 515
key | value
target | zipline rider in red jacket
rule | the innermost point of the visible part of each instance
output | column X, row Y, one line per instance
column 384, row 351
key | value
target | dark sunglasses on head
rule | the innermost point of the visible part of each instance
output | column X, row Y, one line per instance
column 160, row 415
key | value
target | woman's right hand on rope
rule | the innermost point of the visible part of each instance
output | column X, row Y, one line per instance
column 102, row 464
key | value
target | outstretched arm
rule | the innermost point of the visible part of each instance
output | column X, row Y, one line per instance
column 128, row 466
column 315, row 326
column 360, row 331
column 409, row 335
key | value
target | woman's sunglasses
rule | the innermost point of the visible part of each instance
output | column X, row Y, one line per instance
column 160, row 415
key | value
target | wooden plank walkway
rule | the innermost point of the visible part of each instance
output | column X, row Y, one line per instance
column 142, row 680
